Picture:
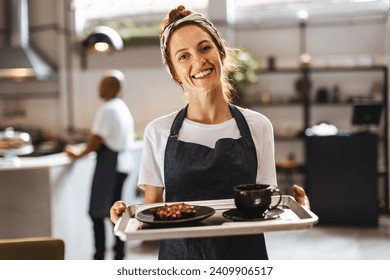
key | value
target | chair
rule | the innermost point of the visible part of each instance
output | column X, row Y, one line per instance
column 35, row 248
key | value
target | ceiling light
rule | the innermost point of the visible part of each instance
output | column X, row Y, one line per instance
column 103, row 39
column 302, row 16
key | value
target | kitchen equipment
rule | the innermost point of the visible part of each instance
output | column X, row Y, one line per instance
column 12, row 144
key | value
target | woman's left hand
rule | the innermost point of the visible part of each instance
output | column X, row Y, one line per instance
column 300, row 196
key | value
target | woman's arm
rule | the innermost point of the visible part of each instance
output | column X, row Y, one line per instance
column 153, row 194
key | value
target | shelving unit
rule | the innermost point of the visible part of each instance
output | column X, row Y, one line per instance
column 286, row 108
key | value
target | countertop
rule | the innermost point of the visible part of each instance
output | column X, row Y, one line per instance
column 38, row 162
column 52, row 160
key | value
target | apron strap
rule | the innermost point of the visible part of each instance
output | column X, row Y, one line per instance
column 178, row 121
column 242, row 126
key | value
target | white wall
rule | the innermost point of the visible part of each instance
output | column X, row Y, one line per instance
column 148, row 92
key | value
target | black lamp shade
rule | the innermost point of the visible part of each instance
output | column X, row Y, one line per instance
column 107, row 37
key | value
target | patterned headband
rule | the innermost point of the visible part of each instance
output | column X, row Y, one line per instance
column 196, row 18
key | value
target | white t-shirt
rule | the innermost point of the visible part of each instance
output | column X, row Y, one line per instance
column 114, row 123
column 157, row 132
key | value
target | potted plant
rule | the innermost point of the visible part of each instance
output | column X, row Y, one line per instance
column 245, row 78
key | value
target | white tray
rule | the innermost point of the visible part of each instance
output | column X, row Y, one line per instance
column 294, row 217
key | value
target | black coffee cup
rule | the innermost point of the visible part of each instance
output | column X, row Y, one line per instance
column 254, row 200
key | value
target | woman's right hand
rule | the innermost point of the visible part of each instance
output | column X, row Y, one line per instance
column 152, row 195
column 117, row 210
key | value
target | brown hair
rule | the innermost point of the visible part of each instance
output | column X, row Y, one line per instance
column 174, row 15
column 229, row 64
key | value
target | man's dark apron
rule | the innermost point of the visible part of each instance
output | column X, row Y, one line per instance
column 196, row 172
column 103, row 183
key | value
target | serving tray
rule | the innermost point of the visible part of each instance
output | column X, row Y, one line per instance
column 292, row 217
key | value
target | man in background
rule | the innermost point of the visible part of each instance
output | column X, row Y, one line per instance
column 112, row 135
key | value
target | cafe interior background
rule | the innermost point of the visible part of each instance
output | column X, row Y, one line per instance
column 317, row 69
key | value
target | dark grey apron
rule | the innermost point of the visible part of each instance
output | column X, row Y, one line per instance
column 103, row 183
column 197, row 172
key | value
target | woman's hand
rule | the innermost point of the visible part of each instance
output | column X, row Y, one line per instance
column 300, row 196
column 117, row 210
column 152, row 195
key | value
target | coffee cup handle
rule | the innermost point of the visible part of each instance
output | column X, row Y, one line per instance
column 280, row 198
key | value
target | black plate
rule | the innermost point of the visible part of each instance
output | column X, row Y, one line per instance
column 235, row 215
column 202, row 212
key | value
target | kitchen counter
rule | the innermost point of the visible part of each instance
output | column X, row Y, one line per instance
column 49, row 196
column 28, row 163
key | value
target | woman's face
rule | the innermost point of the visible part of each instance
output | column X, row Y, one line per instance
column 196, row 60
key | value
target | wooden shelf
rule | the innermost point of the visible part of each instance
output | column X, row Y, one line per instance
column 309, row 106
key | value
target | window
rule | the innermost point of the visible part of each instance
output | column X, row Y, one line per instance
column 137, row 21
column 283, row 12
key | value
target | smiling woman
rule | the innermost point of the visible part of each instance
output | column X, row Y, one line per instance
column 208, row 147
